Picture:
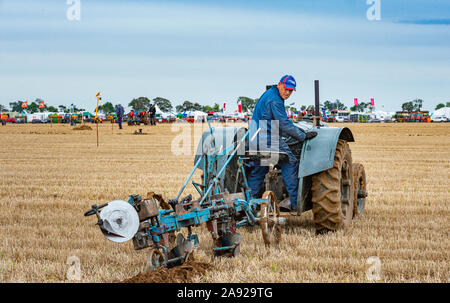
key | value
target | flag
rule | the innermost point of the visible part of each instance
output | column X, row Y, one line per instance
column 98, row 94
column 224, row 106
column 356, row 101
column 372, row 102
column 41, row 105
column 239, row 106
column 25, row 104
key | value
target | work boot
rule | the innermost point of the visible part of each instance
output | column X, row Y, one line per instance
column 310, row 135
column 294, row 212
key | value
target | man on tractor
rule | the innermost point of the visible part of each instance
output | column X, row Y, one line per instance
column 269, row 112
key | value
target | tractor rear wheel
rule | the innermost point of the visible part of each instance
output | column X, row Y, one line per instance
column 360, row 188
column 332, row 192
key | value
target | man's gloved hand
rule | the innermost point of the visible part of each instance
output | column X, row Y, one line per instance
column 310, row 135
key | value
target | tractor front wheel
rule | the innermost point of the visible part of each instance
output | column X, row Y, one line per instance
column 360, row 188
column 332, row 192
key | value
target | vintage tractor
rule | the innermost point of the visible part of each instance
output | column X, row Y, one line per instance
column 330, row 185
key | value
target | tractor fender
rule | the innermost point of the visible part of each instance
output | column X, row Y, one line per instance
column 318, row 153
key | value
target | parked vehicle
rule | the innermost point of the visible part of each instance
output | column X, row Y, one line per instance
column 438, row 119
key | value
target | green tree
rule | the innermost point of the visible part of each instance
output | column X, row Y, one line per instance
column 361, row 106
column 248, row 104
column 141, row 103
column 33, row 107
column 186, row 106
column 106, row 108
column 408, row 106
column 3, row 108
column 206, row 108
column 163, row 104
column 338, row 105
column 440, row 105
column 328, row 105
column 448, row 104
column 62, row 108
column 51, row 109
column 216, row 108
column 198, row 106
column 16, row 106
column 417, row 104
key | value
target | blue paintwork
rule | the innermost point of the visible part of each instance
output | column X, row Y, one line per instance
column 318, row 153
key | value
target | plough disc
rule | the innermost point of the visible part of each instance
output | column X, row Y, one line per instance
column 155, row 260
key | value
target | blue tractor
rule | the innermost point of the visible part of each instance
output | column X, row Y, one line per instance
column 330, row 184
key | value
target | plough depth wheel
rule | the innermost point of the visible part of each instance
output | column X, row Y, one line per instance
column 270, row 220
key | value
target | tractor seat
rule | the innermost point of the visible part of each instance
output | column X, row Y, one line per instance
column 266, row 155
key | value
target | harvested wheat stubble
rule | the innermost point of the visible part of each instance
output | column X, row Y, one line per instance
column 50, row 175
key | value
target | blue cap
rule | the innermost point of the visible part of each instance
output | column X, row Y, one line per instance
column 288, row 82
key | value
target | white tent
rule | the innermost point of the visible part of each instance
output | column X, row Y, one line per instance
column 442, row 112
column 37, row 116
column 380, row 115
column 197, row 115
column 158, row 111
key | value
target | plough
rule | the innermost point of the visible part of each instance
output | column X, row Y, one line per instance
column 152, row 222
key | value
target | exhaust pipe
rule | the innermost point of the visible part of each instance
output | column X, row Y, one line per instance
column 317, row 104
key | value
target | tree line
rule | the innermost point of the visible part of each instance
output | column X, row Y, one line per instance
column 248, row 104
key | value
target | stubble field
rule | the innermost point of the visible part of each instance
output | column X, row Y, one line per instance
column 51, row 174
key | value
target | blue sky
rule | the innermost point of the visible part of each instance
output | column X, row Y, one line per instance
column 215, row 51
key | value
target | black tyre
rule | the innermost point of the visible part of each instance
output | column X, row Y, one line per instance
column 332, row 192
column 360, row 189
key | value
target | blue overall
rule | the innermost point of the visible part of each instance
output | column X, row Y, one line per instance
column 119, row 112
column 271, row 107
